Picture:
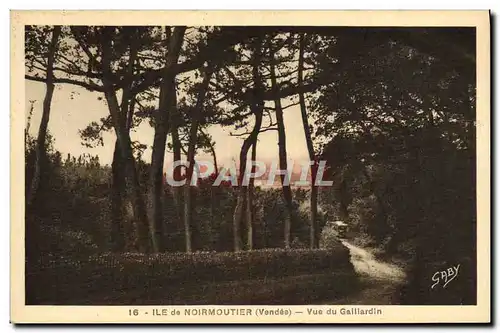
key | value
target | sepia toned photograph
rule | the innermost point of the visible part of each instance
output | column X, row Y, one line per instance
column 271, row 169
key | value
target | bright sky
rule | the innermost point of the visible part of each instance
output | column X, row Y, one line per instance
column 68, row 115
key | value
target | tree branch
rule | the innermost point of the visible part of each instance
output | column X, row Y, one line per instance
column 88, row 86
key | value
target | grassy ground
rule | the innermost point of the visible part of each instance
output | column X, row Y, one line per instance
column 295, row 290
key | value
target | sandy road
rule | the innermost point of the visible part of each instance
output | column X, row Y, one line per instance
column 367, row 265
column 380, row 280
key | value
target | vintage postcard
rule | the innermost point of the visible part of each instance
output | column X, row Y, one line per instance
column 250, row 167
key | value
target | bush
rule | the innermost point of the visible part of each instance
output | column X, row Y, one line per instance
column 329, row 239
column 69, row 242
column 62, row 281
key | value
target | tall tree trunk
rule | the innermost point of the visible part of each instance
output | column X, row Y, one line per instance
column 167, row 101
column 40, row 152
column 117, row 236
column 134, row 203
column 122, row 230
column 287, row 192
column 213, row 202
column 211, row 221
column 127, row 202
column 175, row 121
column 257, row 107
column 188, row 216
column 313, row 217
column 243, row 189
column 136, row 207
column 193, row 131
column 176, row 147
column 313, row 230
column 240, row 201
column 249, row 203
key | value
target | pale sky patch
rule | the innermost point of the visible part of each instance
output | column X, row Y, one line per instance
column 69, row 115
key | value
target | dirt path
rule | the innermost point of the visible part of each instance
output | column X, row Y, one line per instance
column 379, row 280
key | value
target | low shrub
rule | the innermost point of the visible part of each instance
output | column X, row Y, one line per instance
column 329, row 239
column 63, row 280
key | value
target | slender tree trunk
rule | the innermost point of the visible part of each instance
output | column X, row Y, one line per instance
column 193, row 131
column 287, row 192
column 249, row 203
column 240, row 201
column 167, row 103
column 212, row 217
column 40, row 152
column 313, row 239
column 188, row 215
column 137, row 207
column 257, row 109
column 176, row 147
column 211, row 222
column 239, row 211
column 175, row 121
column 156, row 173
column 313, row 231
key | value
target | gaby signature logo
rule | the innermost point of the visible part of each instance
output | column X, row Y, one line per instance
column 445, row 276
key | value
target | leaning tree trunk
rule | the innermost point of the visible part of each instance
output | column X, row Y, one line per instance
column 32, row 239
column 287, row 192
column 136, row 206
column 313, row 217
column 257, row 107
column 134, row 203
column 238, row 215
column 40, row 152
column 125, row 221
column 122, row 235
column 167, row 96
column 193, row 131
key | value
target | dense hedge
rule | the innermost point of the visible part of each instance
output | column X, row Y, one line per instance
column 63, row 281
